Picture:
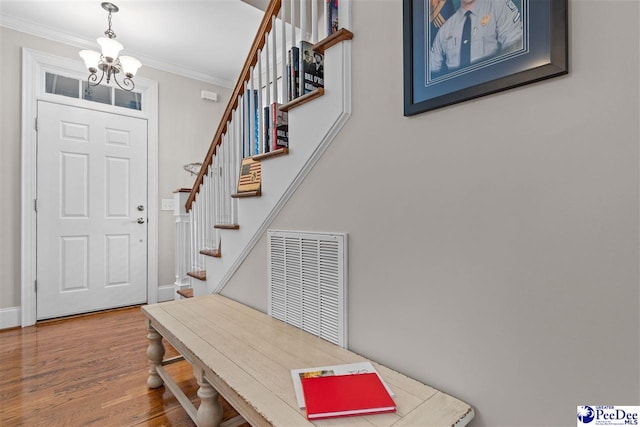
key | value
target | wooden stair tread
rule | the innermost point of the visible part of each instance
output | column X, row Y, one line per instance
column 256, row 193
column 211, row 252
column 186, row 293
column 198, row 274
column 339, row 36
column 302, row 99
column 274, row 153
column 227, row 226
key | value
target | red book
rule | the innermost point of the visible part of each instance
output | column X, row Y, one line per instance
column 344, row 395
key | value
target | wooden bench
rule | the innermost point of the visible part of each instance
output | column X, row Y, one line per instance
column 246, row 356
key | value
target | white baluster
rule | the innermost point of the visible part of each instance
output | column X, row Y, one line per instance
column 209, row 213
column 303, row 21
column 283, row 51
column 314, row 21
column 293, row 22
column 246, row 122
column 227, row 176
column 274, row 60
column 325, row 13
column 205, row 206
column 267, row 60
column 260, row 110
column 235, row 162
column 223, row 188
column 183, row 248
column 252, row 115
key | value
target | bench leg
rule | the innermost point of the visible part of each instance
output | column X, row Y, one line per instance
column 155, row 353
column 210, row 411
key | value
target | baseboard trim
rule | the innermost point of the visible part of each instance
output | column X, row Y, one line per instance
column 166, row 293
column 10, row 317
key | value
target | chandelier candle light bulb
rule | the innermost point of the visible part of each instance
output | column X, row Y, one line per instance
column 108, row 61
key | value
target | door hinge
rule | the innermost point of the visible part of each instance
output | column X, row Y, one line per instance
column 35, row 285
column 36, row 124
column 35, row 205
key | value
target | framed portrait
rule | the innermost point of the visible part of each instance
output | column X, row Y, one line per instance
column 455, row 50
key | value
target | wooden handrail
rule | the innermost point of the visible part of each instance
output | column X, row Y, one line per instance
column 252, row 59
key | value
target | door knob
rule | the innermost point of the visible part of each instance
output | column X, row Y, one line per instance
column 140, row 220
column 140, row 208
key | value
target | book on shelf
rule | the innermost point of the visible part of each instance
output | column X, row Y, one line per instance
column 345, row 395
column 279, row 127
column 311, row 68
column 252, row 130
column 294, row 72
column 332, row 16
column 344, row 369
column 267, row 127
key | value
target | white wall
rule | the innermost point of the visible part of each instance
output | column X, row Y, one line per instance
column 493, row 244
column 186, row 127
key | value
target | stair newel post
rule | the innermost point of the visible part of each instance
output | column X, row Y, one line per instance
column 192, row 240
column 182, row 242
column 200, row 229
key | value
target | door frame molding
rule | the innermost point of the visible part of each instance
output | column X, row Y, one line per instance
column 34, row 66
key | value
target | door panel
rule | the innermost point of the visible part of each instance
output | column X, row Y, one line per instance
column 91, row 250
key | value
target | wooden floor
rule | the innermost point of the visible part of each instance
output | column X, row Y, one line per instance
column 88, row 371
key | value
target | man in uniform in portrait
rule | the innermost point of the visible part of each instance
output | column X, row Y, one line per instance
column 478, row 30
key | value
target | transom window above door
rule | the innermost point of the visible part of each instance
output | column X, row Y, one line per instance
column 79, row 89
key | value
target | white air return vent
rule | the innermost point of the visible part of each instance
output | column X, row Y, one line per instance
column 307, row 282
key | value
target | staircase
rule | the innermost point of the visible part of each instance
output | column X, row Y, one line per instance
column 217, row 225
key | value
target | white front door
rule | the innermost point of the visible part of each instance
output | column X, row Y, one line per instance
column 91, row 210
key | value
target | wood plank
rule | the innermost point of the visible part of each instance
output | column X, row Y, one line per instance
column 301, row 100
column 339, row 36
column 227, row 226
column 47, row 381
column 247, row 194
column 198, row 274
column 215, row 253
column 271, row 154
column 185, row 293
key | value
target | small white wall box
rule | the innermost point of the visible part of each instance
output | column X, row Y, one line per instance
column 209, row 96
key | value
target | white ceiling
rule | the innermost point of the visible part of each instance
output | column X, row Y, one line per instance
column 203, row 39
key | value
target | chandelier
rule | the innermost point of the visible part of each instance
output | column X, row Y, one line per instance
column 108, row 61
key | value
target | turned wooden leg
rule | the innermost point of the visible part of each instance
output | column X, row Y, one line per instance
column 210, row 411
column 155, row 353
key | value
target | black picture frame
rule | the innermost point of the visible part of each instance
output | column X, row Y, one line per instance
column 542, row 54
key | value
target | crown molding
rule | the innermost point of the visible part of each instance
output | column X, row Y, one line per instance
column 48, row 33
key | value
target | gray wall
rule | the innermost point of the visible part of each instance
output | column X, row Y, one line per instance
column 493, row 245
column 186, row 127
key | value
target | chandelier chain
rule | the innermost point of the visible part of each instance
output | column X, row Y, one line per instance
column 109, row 32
